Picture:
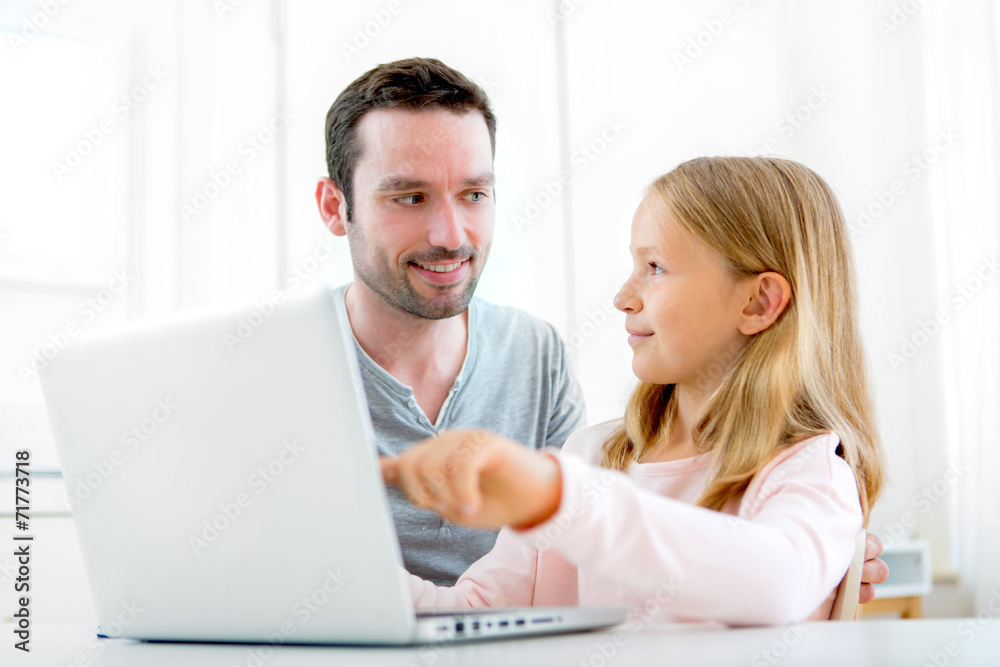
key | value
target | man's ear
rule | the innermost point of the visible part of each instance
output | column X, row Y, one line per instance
column 769, row 294
column 332, row 206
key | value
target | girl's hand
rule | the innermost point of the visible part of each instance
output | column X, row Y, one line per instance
column 478, row 479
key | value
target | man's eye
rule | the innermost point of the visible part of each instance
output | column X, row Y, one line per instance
column 476, row 197
column 409, row 199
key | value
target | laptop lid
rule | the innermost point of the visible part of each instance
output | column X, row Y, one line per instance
column 222, row 473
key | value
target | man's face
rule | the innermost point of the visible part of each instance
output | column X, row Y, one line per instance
column 423, row 209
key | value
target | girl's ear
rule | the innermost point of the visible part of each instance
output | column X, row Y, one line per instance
column 769, row 294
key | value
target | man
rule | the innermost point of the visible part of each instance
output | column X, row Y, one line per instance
column 410, row 148
column 410, row 152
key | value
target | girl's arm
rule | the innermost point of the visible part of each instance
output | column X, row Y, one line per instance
column 477, row 479
column 773, row 565
column 504, row 577
column 438, row 474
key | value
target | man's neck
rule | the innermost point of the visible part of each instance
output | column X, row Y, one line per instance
column 426, row 355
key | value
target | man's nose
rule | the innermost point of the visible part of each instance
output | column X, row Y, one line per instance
column 446, row 229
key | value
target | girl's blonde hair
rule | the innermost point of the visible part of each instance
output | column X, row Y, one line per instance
column 805, row 374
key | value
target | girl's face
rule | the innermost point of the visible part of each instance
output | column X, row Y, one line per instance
column 682, row 306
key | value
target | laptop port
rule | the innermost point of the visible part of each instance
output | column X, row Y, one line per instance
column 459, row 626
column 475, row 625
column 503, row 624
column 519, row 621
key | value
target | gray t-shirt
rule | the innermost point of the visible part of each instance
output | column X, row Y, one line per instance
column 516, row 381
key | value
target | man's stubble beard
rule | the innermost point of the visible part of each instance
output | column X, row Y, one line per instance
column 393, row 284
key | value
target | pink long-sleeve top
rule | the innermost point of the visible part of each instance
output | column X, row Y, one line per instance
column 637, row 540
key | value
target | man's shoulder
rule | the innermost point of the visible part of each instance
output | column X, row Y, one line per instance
column 513, row 324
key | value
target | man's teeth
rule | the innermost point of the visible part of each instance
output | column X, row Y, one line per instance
column 440, row 268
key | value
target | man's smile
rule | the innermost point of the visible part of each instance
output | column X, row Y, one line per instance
column 442, row 273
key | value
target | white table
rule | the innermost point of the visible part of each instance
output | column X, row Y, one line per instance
column 947, row 642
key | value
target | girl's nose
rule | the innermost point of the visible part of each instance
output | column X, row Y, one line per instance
column 626, row 299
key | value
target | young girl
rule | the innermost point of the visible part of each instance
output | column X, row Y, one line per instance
column 747, row 459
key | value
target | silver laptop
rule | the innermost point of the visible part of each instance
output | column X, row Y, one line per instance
column 223, row 476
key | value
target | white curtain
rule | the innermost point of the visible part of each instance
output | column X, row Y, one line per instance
column 963, row 89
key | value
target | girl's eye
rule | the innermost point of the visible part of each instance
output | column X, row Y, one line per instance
column 411, row 200
column 657, row 269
